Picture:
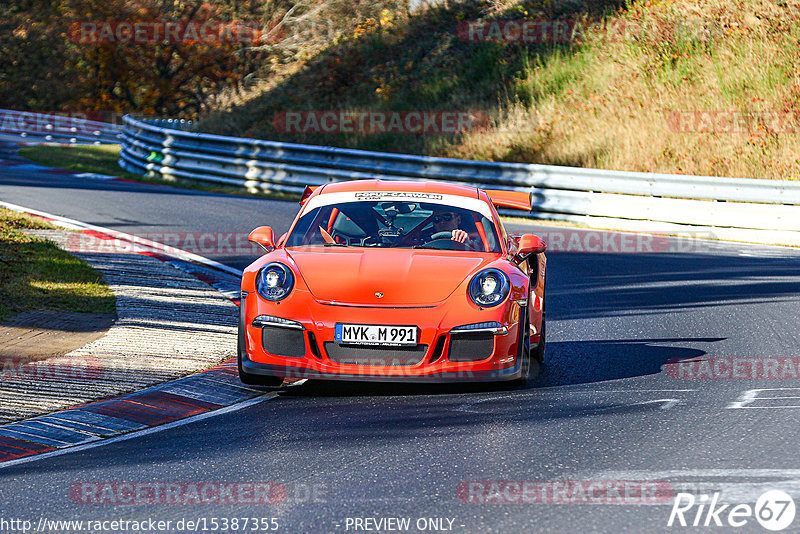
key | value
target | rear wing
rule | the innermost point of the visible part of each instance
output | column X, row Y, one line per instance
column 307, row 193
column 510, row 199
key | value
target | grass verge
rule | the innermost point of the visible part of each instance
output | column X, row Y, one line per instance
column 102, row 159
column 37, row 275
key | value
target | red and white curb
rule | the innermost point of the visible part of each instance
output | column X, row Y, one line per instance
column 181, row 401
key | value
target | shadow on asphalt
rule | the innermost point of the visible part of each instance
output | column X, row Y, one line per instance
column 567, row 363
column 331, row 388
column 589, row 285
column 581, row 362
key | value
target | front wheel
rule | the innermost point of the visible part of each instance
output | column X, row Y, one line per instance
column 258, row 380
column 524, row 351
column 538, row 352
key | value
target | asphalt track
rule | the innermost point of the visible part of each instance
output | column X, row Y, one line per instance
column 603, row 407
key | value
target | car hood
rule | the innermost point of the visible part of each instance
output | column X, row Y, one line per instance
column 404, row 276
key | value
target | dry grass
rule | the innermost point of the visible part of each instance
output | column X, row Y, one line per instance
column 606, row 101
column 618, row 108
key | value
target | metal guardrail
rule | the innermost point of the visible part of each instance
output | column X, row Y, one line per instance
column 58, row 128
column 175, row 124
column 759, row 207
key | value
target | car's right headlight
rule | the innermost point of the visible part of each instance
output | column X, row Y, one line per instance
column 274, row 281
column 489, row 288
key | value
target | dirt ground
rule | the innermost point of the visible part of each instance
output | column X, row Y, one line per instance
column 37, row 335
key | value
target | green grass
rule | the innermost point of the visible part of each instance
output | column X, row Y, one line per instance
column 100, row 159
column 37, row 275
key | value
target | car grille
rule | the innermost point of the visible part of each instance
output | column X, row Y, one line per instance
column 470, row 347
column 385, row 356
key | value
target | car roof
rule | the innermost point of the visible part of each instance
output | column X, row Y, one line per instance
column 401, row 185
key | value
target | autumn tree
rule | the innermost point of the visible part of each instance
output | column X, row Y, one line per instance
column 160, row 73
column 84, row 55
column 35, row 60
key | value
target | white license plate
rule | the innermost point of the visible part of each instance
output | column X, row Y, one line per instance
column 364, row 334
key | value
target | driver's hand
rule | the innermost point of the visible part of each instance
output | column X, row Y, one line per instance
column 459, row 236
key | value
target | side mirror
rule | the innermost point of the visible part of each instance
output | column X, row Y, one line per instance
column 282, row 239
column 262, row 236
column 530, row 244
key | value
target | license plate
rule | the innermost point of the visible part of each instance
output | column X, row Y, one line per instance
column 364, row 334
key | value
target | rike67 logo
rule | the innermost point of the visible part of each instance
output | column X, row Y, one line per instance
column 774, row 510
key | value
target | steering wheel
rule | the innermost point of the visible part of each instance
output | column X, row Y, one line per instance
column 441, row 235
column 442, row 240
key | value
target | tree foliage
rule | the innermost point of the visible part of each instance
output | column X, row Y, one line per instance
column 46, row 65
column 36, row 67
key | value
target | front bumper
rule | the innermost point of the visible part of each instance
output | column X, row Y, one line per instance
column 441, row 356
column 287, row 371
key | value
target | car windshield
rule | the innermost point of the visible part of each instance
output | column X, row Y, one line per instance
column 396, row 224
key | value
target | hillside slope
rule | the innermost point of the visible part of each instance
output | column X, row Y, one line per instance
column 707, row 87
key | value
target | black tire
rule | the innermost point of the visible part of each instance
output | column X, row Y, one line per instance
column 244, row 376
column 538, row 352
column 524, row 352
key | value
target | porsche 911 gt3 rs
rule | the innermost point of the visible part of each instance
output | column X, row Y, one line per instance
column 394, row 281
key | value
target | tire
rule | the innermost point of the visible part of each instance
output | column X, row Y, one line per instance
column 538, row 352
column 524, row 352
column 241, row 346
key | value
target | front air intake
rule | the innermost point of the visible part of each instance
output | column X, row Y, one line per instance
column 281, row 341
column 384, row 356
column 470, row 347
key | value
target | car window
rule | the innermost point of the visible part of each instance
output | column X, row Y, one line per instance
column 394, row 224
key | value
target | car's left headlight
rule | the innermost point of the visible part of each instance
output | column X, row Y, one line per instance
column 489, row 288
column 274, row 281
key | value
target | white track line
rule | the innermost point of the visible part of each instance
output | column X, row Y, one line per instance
column 145, row 243
column 169, row 251
column 140, row 433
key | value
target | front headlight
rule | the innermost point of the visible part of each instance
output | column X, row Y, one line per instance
column 489, row 288
column 274, row 281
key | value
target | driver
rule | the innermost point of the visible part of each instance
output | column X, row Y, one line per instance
column 447, row 220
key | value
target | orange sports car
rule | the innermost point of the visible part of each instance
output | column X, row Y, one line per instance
column 394, row 281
